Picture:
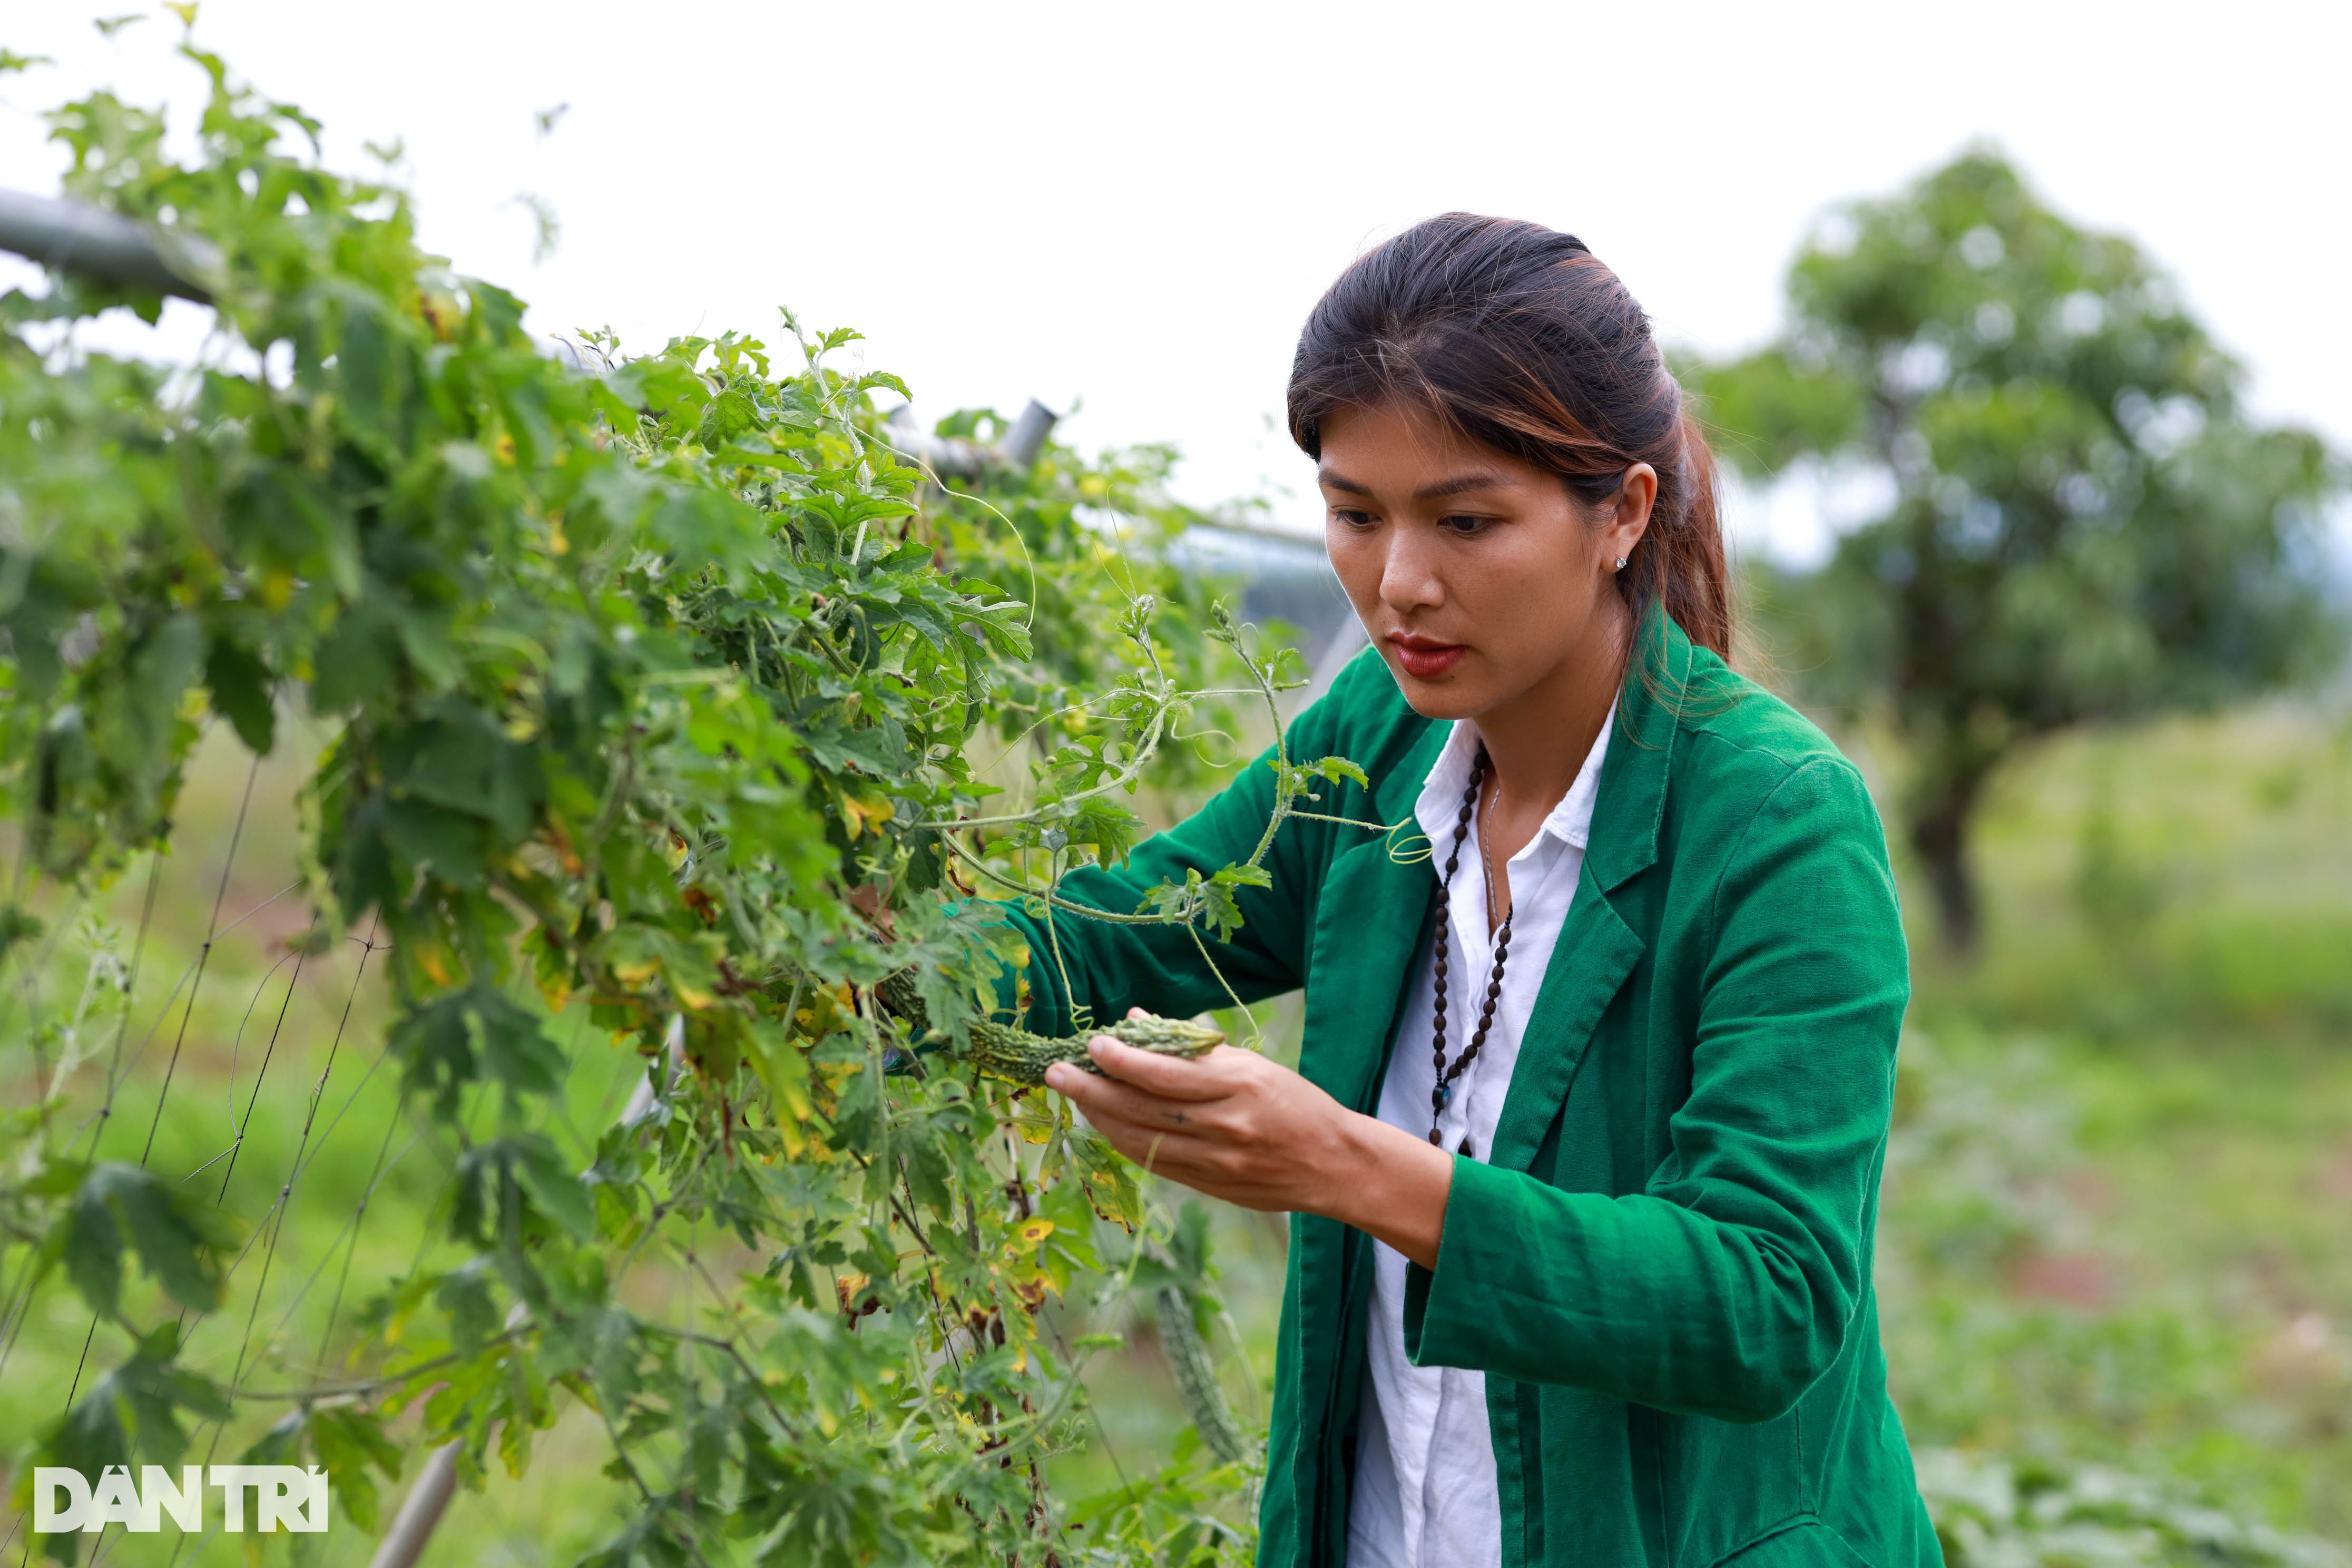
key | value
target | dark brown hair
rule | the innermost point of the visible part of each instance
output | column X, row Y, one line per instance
column 1519, row 338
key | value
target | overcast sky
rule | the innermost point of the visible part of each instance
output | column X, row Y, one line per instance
column 1136, row 205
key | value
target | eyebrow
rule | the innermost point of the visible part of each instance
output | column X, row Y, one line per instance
column 1459, row 484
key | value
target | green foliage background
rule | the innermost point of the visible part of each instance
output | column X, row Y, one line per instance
column 2085, row 521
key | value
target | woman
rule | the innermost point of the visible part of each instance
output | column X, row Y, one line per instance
column 1582, row 1154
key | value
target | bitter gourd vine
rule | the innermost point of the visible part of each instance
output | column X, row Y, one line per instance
column 1196, row 1378
column 656, row 695
column 1013, row 1054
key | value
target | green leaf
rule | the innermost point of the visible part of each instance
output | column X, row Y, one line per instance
column 448, row 844
column 472, row 1036
column 350, row 1440
column 180, row 1241
column 1107, row 1177
column 553, row 1185
column 1217, row 906
column 241, row 688
column 462, row 760
column 17, row 924
column 1336, row 768
column 464, row 1293
column 372, row 365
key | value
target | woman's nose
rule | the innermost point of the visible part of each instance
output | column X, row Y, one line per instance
column 1408, row 581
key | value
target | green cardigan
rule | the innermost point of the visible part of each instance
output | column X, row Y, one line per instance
column 1665, row 1271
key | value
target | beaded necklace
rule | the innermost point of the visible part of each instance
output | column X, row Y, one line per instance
column 1442, row 1091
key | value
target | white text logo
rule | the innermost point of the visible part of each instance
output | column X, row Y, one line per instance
column 286, row 1496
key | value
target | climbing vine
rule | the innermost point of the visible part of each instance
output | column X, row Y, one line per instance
column 667, row 700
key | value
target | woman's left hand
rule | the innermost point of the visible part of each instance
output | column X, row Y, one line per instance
column 1238, row 1127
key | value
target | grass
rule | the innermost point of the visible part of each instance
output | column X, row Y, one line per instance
column 2192, row 878
column 2168, row 971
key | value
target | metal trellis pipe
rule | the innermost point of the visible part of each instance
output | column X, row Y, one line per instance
column 67, row 236
column 953, row 457
column 74, row 236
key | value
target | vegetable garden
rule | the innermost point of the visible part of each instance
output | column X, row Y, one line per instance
column 661, row 701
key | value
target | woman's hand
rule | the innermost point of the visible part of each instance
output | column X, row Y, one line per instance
column 1236, row 1126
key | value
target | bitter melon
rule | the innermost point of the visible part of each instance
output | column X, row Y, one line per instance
column 1196, row 1379
column 1002, row 1051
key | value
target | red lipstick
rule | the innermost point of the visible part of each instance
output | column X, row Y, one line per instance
column 1425, row 657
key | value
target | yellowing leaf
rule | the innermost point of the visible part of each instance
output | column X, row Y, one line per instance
column 827, row 1011
column 865, row 815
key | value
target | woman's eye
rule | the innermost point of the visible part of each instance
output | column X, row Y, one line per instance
column 1353, row 519
column 1467, row 527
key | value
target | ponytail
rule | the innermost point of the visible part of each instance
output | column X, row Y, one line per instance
column 1680, row 560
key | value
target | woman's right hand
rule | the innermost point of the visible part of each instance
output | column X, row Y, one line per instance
column 1233, row 1125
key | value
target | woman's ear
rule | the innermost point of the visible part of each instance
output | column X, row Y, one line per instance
column 1630, row 519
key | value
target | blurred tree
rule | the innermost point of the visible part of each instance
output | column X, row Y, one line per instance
column 2083, row 522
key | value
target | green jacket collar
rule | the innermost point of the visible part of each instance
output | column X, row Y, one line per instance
column 1632, row 798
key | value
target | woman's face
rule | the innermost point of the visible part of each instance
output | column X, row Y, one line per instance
column 1480, row 577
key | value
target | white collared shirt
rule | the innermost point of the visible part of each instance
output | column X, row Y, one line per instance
column 1425, row 1490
